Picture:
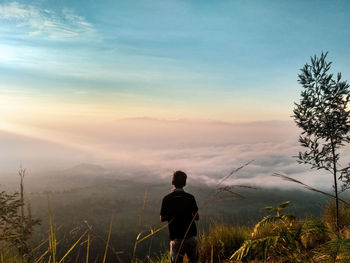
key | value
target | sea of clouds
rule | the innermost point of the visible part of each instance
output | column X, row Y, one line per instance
column 206, row 150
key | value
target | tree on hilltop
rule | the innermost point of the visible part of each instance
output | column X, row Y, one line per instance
column 323, row 114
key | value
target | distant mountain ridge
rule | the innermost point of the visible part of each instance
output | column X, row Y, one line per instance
column 86, row 169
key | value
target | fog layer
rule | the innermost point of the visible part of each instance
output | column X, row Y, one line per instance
column 206, row 150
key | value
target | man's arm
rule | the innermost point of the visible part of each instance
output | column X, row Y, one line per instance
column 164, row 211
column 195, row 209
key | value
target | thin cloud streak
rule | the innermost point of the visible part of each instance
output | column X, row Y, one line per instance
column 43, row 22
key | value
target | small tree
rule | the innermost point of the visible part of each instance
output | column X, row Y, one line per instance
column 15, row 230
column 21, row 173
column 323, row 115
column 15, row 227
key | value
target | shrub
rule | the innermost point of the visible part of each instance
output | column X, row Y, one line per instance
column 344, row 215
column 282, row 238
column 15, row 229
column 220, row 241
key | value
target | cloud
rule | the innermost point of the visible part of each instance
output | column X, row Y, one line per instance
column 64, row 24
column 209, row 151
column 206, row 150
column 210, row 164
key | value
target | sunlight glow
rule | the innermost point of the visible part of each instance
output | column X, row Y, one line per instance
column 7, row 54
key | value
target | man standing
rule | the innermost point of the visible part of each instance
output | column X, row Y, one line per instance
column 180, row 210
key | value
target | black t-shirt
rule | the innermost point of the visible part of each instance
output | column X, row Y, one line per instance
column 179, row 207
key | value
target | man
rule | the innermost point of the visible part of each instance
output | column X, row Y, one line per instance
column 180, row 210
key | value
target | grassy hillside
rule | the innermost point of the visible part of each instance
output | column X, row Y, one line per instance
column 135, row 207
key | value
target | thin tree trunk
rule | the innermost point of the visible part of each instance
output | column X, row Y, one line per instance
column 21, row 173
column 22, row 200
column 335, row 188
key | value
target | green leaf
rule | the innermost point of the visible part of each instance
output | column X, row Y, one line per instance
column 283, row 205
column 265, row 221
column 269, row 208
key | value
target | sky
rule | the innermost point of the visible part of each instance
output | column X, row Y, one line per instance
column 72, row 71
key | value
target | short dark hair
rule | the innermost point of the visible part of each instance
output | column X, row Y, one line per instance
column 179, row 179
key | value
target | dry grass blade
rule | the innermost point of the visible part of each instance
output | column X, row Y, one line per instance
column 138, row 240
column 228, row 189
column 67, row 253
column 116, row 253
column 135, row 247
column 152, row 233
column 243, row 186
column 42, row 256
column 87, row 248
column 10, row 236
column 108, row 239
column 40, row 245
column 143, row 208
column 218, row 195
column 150, row 246
column 52, row 234
column 289, row 179
column 233, row 172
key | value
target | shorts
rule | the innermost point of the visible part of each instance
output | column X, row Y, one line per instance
column 189, row 247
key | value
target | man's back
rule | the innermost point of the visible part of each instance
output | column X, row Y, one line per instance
column 179, row 208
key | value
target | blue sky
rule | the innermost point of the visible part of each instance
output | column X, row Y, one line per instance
column 223, row 60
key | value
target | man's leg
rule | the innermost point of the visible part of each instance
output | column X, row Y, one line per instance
column 191, row 249
column 175, row 254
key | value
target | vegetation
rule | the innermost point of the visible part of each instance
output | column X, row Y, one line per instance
column 218, row 243
column 281, row 238
column 87, row 235
column 15, row 229
column 324, row 116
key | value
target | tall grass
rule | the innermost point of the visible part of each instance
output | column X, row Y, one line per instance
column 108, row 239
column 222, row 240
column 87, row 249
column 52, row 234
column 344, row 214
column 219, row 242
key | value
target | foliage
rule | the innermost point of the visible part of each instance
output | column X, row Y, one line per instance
column 15, row 229
column 163, row 258
column 328, row 220
column 281, row 238
column 324, row 116
column 278, row 237
column 335, row 250
column 95, row 205
column 219, row 242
